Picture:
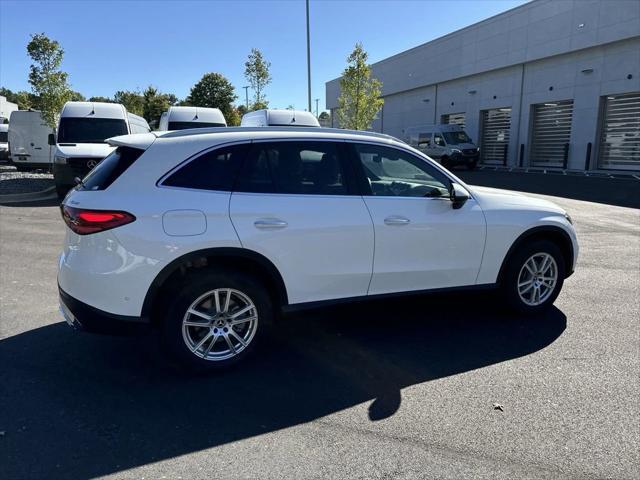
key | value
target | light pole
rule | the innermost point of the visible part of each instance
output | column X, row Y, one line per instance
column 246, row 96
column 308, row 60
column 317, row 100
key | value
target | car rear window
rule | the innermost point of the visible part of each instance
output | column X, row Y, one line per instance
column 110, row 168
column 188, row 125
column 213, row 170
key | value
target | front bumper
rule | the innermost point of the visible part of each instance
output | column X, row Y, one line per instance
column 461, row 159
column 64, row 175
column 84, row 317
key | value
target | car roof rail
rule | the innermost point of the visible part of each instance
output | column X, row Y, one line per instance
column 202, row 131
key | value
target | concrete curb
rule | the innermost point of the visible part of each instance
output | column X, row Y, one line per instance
column 45, row 194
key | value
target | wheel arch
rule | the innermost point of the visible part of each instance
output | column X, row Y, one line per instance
column 545, row 232
column 237, row 258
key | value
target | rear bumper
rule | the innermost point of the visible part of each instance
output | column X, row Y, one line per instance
column 84, row 317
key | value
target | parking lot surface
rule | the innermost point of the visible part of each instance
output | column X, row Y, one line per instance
column 436, row 386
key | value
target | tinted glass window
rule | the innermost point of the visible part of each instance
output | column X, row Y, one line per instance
column 4, row 137
column 90, row 130
column 214, row 170
column 396, row 173
column 186, row 125
column 294, row 167
column 110, row 168
column 456, row 138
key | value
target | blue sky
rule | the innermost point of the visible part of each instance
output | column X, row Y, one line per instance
column 118, row 45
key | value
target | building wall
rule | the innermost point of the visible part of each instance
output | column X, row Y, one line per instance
column 540, row 52
column 6, row 108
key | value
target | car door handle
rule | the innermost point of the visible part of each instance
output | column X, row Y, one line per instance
column 396, row 220
column 270, row 223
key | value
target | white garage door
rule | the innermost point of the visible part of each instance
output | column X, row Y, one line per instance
column 494, row 140
column 619, row 146
column 550, row 133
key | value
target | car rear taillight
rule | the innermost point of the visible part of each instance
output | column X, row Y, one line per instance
column 85, row 222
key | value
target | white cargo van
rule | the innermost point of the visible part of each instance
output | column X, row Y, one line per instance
column 80, row 142
column 279, row 118
column 4, row 141
column 446, row 143
column 28, row 134
column 181, row 118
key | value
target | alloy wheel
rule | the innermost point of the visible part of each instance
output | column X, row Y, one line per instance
column 537, row 279
column 220, row 324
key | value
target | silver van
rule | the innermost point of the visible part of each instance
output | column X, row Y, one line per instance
column 446, row 143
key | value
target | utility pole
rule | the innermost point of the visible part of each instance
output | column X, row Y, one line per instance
column 246, row 96
column 308, row 60
column 317, row 100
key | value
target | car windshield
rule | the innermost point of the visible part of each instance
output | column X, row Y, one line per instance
column 456, row 138
column 90, row 130
column 4, row 137
column 187, row 125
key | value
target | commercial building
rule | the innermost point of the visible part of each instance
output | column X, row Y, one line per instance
column 550, row 84
column 6, row 108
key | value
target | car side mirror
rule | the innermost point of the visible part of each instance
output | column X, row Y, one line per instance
column 459, row 196
column 51, row 139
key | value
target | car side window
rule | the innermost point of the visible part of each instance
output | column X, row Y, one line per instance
column 214, row 170
column 396, row 173
column 438, row 140
column 296, row 167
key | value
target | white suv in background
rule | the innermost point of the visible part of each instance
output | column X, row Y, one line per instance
column 208, row 234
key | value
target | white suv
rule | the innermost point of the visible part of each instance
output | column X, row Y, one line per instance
column 208, row 234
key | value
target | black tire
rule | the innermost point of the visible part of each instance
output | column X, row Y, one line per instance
column 472, row 165
column 444, row 161
column 516, row 264
column 195, row 286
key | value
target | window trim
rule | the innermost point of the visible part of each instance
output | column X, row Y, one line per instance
column 345, row 162
column 184, row 163
column 363, row 182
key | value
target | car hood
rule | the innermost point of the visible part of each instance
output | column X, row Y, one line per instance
column 494, row 198
column 98, row 150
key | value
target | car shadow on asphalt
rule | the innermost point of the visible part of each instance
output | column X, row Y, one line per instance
column 76, row 405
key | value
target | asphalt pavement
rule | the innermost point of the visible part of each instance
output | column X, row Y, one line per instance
column 444, row 386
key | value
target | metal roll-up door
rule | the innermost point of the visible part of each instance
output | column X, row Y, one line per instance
column 551, row 133
column 619, row 146
column 494, row 141
column 454, row 119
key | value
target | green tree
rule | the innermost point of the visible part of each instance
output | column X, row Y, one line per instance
column 172, row 99
column 359, row 100
column 242, row 109
column 324, row 119
column 213, row 91
column 132, row 101
column 25, row 100
column 101, row 99
column 256, row 71
column 154, row 104
column 47, row 81
column 77, row 97
column 234, row 117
